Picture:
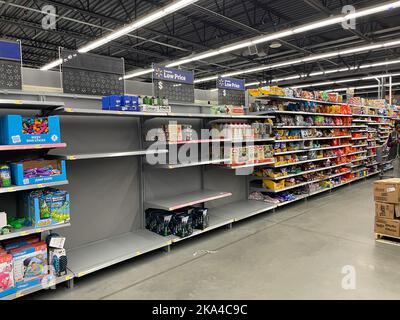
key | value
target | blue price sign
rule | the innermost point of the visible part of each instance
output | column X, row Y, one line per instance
column 10, row 50
column 174, row 75
column 230, row 84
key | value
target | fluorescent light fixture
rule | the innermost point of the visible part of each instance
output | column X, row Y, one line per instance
column 274, row 36
column 152, row 17
column 369, row 11
column 315, row 58
column 378, row 64
column 252, row 84
column 51, row 65
column 347, row 80
column 319, row 24
column 234, row 47
column 286, row 33
column 138, row 73
column 367, row 48
column 206, row 79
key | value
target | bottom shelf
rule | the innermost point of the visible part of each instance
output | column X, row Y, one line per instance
column 104, row 253
column 42, row 286
column 227, row 214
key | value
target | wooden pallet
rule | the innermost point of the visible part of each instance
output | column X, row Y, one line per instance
column 383, row 238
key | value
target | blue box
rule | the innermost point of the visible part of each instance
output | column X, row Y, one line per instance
column 105, row 103
column 115, row 102
column 11, row 131
column 17, row 172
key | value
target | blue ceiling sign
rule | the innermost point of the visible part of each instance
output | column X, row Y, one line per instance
column 230, row 83
column 174, row 75
column 10, row 50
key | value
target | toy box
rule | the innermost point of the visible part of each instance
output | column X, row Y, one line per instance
column 30, row 264
column 20, row 242
column 46, row 207
column 55, row 171
column 15, row 129
column 58, row 261
column 6, row 275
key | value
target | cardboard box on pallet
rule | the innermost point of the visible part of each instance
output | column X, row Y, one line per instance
column 387, row 210
column 387, row 191
column 389, row 227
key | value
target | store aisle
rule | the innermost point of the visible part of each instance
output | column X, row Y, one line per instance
column 297, row 253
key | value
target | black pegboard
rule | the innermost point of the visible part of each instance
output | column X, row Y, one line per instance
column 91, row 82
column 231, row 97
column 10, row 75
column 174, row 91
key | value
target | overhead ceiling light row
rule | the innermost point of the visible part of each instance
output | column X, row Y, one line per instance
column 152, row 17
column 319, row 84
column 310, row 58
column 361, row 87
column 280, row 35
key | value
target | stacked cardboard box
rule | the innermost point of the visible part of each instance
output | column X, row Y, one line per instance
column 387, row 207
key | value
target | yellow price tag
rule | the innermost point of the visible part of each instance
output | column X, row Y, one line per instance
column 11, row 190
column 67, row 278
column 40, row 185
column 37, row 146
column 39, row 230
column 69, row 109
column 138, row 253
column 24, row 233
column 72, row 158
column 19, row 294
column 81, row 274
column 120, row 112
column 19, row 102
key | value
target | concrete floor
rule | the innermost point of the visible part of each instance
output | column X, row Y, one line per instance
column 296, row 253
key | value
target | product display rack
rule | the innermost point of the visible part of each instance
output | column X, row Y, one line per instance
column 100, row 254
column 43, row 106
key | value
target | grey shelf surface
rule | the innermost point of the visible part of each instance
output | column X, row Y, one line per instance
column 100, row 112
column 224, row 215
column 104, row 253
column 33, row 186
column 105, row 154
column 51, row 283
column 32, row 230
column 240, row 210
column 300, row 113
column 187, row 199
column 268, row 97
column 190, row 164
column 29, row 105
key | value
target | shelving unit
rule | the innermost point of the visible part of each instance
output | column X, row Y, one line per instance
column 99, row 254
column 33, row 186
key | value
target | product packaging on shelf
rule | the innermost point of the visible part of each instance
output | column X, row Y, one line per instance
column 121, row 103
column 38, row 171
column 3, row 219
column 46, row 207
column 30, row 264
column 15, row 130
column 7, row 286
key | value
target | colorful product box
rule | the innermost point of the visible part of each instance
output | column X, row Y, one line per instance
column 15, row 130
column 6, row 275
column 30, row 265
column 20, row 242
column 19, row 178
column 47, row 207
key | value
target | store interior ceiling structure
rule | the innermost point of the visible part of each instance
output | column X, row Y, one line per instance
column 210, row 24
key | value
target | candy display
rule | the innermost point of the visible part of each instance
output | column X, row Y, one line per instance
column 248, row 154
column 38, row 171
column 29, row 130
